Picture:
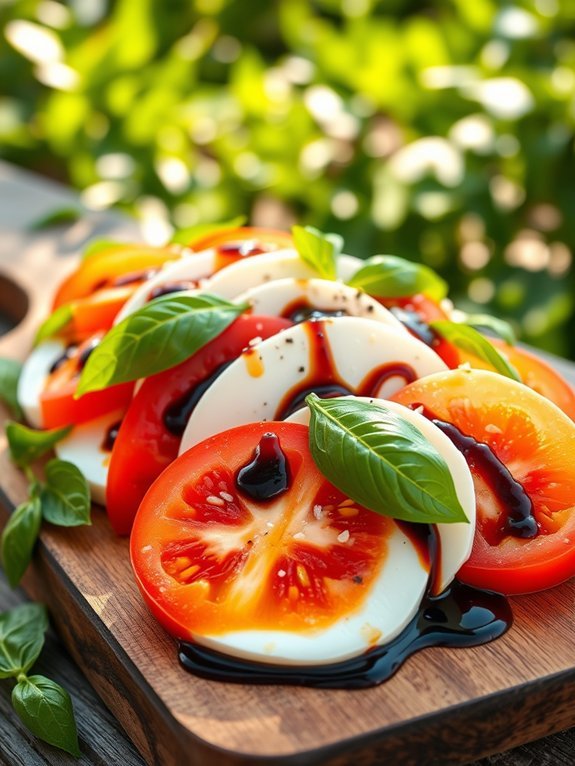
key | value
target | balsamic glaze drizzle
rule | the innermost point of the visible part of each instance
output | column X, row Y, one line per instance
column 176, row 416
column 267, row 474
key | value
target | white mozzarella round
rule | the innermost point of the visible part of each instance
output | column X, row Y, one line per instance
column 190, row 268
column 35, row 372
column 276, row 297
column 456, row 540
column 253, row 386
column 388, row 607
column 84, row 447
column 258, row 269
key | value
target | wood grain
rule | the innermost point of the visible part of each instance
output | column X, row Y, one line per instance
column 446, row 706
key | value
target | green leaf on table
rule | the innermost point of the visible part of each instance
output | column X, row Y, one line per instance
column 46, row 710
column 27, row 444
column 22, row 632
column 389, row 276
column 318, row 250
column 59, row 217
column 381, row 460
column 473, row 342
column 18, row 539
column 65, row 497
column 10, row 371
column 199, row 231
column 500, row 327
column 158, row 336
column 57, row 321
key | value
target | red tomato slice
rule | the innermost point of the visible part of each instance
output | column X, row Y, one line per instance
column 57, row 404
column 150, row 434
column 535, row 442
column 210, row 559
column 101, row 269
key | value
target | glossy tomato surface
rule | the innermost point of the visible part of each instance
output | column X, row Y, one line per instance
column 535, row 442
column 58, row 406
column 209, row 558
column 533, row 371
column 150, row 434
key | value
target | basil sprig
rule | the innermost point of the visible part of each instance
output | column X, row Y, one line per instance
column 389, row 276
column 381, row 461
column 41, row 704
column 473, row 342
column 318, row 250
column 55, row 323
column 158, row 336
column 500, row 327
column 10, row 371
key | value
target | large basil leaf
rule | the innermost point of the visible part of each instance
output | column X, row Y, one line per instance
column 473, row 342
column 381, row 461
column 158, row 336
column 388, row 276
column 22, row 632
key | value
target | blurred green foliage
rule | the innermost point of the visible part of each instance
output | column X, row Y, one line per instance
column 441, row 130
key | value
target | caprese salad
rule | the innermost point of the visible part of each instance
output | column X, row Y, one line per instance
column 312, row 453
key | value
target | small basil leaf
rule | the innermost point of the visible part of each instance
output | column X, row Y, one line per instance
column 10, row 371
column 201, row 230
column 22, row 632
column 158, row 336
column 56, row 218
column 382, row 461
column 473, row 342
column 500, row 327
column 388, row 276
column 18, row 539
column 318, row 250
column 27, row 445
column 56, row 322
column 46, row 709
column 65, row 498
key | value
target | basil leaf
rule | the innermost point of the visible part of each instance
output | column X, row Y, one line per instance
column 473, row 342
column 27, row 445
column 318, row 250
column 18, row 539
column 46, row 709
column 191, row 233
column 65, row 498
column 500, row 327
column 56, row 218
column 158, row 336
column 382, row 461
column 10, row 371
column 388, row 276
column 56, row 321
column 21, row 638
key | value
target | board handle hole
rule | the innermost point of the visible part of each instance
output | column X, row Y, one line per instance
column 14, row 304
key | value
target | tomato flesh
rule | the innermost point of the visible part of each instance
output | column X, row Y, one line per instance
column 535, row 441
column 150, row 434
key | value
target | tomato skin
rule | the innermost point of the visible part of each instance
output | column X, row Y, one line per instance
column 210, row 569
column 533, row 371
column 101, row 268
column 427, row 309
column 58, row 406
column 144, row 445
column 535, row 441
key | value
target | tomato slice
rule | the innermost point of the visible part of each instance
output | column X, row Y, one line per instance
column 209, row 558
column 102, row 269
column 533, row 371
column 240, row 242
column 151, row 432
column 57, row 404
column 533, row 441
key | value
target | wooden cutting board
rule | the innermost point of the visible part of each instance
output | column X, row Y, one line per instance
column 444, row 706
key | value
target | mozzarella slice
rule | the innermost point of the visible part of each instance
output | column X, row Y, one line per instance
column 279, row 297
column 35, row 372
column 456, row 540
column 391, row 603
column 85, row 447
column 190, row 268
column 254, row 386
column 258, row 269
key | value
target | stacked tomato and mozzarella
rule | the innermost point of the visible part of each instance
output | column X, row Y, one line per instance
column 307, row 576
